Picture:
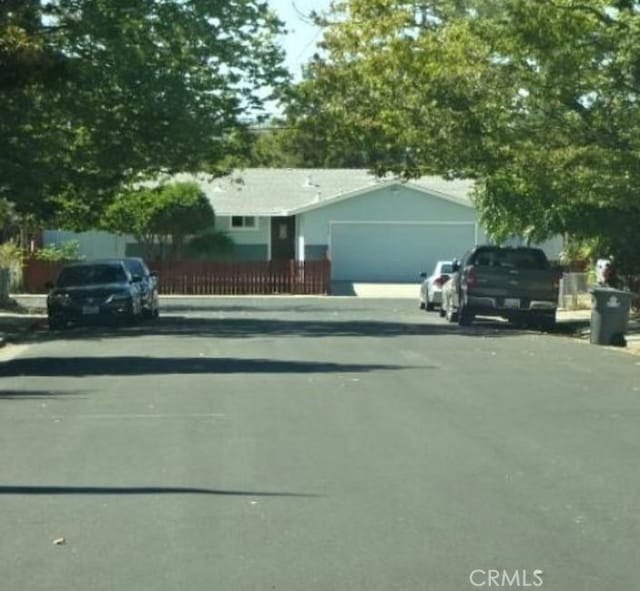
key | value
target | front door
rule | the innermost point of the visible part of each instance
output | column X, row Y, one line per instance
column 283, row 231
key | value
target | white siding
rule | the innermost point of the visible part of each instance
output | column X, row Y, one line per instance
column 390, row 235
column 93, row 244
column 258, row 235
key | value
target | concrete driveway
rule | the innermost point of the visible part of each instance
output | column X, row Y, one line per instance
column 376, row 290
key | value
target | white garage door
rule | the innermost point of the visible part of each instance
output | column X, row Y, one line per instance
column 394, row 251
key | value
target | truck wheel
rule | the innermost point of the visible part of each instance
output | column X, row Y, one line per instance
column 519, row 322
column 546, row 322
column 465, row 316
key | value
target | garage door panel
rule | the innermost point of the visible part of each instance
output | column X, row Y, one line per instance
column 394, row 252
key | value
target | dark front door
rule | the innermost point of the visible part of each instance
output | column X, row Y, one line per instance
column 283, row 230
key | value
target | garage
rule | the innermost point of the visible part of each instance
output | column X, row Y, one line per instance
column 394, row 251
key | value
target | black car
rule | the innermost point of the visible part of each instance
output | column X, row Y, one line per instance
column 90, row 291
column 148, row 285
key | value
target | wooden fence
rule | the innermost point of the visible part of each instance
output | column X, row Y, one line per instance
column 36, row 273
column 258, row 277
column 214, row 278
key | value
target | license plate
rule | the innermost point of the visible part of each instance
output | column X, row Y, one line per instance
column 511, row 303
column 90, row 310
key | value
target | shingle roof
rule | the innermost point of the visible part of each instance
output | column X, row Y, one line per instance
column 287, row 191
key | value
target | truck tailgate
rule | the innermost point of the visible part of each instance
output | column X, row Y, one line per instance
column 531, row 284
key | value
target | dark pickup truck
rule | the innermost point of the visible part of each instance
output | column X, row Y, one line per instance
column 518, row 284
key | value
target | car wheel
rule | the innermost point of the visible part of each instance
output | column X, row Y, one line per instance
column 442, row 312
column 429, row 305
column 451, row 315
column 147, row 313
column 133, row 315
column 57, row 322
column 421, row 305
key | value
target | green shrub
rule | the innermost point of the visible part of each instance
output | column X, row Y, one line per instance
column 10, row 255
column 210, row 244
column 66, row 251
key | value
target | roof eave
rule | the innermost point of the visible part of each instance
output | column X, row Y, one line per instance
column 255, row 214
column 387, row 184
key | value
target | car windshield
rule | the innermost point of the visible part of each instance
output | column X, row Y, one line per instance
column 91, row 275
column 134, row 267
column 446, row 269
column 511, row 259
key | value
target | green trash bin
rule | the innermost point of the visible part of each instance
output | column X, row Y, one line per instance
column 609, row 316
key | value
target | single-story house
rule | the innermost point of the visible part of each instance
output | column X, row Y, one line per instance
column 370, row 228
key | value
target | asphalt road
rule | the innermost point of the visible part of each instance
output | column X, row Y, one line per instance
column 317, row 444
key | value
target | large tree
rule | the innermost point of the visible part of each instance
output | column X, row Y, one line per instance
column 97, row 93
column 537, row 99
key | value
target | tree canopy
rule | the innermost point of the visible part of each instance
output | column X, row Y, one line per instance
column 96, row 93
column 536, row 99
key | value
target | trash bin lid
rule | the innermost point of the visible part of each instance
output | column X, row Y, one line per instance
column 605, row 291
column 610, row 297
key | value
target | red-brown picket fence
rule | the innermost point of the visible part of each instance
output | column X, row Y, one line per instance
column 213, row 277
column 35, row 273
column 243, row 278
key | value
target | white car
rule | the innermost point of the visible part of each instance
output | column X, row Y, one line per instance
column 431, row 287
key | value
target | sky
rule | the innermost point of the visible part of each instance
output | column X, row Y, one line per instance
column 300, row 42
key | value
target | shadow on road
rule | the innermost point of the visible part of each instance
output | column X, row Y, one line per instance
column 234, row 327
column 139, row 490
column 132, row 365
column 257, row 308
column 33, row 394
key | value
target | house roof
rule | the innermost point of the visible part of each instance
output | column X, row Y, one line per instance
column 288, row 191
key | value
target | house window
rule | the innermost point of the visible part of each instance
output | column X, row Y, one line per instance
column 243, row 222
